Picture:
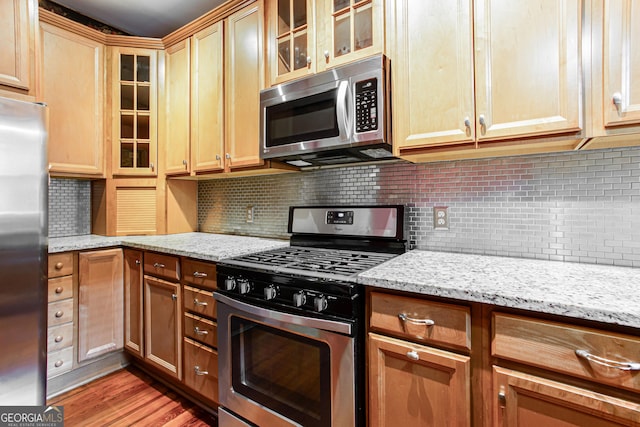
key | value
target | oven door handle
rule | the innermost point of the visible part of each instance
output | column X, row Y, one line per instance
column 311, row 322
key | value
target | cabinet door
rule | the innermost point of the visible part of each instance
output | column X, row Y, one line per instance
column 244, row 76
column 135, row 112
column 432, row 72
column 621, row 62
column 207, row 100
column 291, row 39
column 525, row 400
column 176, row 142
column 133, row 297
column 352, row 29
column 100, row 307
column 410, row 384
column 73, row 88
column 527, row 67
column 15, row 44
column 162, row 319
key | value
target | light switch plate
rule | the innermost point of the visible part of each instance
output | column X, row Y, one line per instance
column 250, row 213
column 440, row 217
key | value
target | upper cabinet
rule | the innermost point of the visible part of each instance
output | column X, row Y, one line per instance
column 509, row 70
column 134, row 116
column 177, row 64
column 306, row 36
column 73, row 87
column 615, row 70
column 18, row 23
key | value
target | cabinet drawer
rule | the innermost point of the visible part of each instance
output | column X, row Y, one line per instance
column 199, row 301
column 59, row 337
column 60, row 264
column 200, row 274
column 201, row 329
column 60, row 312
column 567, row 349
column 201, row 369
column 60, row 288
column 421, row 320
column 59, row 362
column 159, row 265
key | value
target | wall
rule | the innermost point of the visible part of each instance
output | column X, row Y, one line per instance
column 578, row 207
column 69, row 207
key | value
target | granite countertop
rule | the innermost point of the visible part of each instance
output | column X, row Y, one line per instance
column 204, row 246
column 585, row 291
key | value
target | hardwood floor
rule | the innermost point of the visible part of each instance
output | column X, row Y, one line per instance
column 129, row 397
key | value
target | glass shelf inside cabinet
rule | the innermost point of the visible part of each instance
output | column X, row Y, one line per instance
column 292, row 35
column 349, row 38
column 135, row 89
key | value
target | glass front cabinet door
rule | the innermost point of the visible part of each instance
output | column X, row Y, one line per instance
column 292, row 36
column 135, row 111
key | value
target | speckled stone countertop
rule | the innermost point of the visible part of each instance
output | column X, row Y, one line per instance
column 584, row 291
column 204, row 246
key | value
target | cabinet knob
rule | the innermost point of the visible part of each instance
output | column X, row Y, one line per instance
column 217, row 156
column 151, row 166
column 59, row 290
column 58, row 338
column 308, row 60
column 502, row 398
column 617, row 101
column 326, row 54
column 227, row 156
column 59, row 313
column 483, row 123
column 59, row 265
column 174, row 297
column 58, row 363
column 413, row 355
column 184, row 162
column 137, row 262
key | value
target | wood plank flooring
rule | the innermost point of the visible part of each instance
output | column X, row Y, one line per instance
column 129, row 397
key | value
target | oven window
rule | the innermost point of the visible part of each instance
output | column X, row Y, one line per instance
column 285, row 372
column 306, row 119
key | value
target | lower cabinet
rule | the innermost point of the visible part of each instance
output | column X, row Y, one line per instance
column 133, row 300
column 162, row 344
column 100, row 305
column 411, row 384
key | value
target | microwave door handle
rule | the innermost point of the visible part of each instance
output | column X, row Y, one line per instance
column 342, row 109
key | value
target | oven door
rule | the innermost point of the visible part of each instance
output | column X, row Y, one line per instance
column 277, row 369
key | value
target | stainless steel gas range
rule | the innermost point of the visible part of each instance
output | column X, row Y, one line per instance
column 291, row 320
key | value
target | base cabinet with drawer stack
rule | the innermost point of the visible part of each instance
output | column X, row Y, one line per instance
column 541, row 399
column 60, row 317
column 410, row 381
column 200, row 329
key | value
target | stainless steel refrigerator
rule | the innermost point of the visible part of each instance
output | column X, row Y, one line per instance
column 23, row 253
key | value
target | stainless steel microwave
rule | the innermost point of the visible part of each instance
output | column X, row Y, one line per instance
column 334, row 117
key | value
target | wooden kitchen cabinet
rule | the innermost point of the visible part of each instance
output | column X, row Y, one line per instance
column 505, row 73
column 306, row 36
column 411, row 384
column 73, row 87
column 177, row 78
column 18, row 33
column 133, row 302
column 526, row 399
column 100, row 303
column 134, row 78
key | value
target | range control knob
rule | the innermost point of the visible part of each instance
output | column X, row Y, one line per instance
column 244, row 286
column 299, row 299
column 320, row 303
column 270, row 292
column 229, row 283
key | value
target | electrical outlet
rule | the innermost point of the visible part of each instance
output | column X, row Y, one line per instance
column 440, row 217
column 249, row 213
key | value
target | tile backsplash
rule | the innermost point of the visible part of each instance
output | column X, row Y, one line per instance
column 575, row 206
column 69, row 207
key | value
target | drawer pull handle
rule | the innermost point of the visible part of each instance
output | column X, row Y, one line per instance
column 59, row 313
column 426, row 322
column 59, row 290
column 137, row 262
column 59, row 363
column 413, row 355
column 199, row 372
column 199, row 331
column 202, row 303
column 58, row 338
column 59, row 265
column 198, row 274
column 158, row 265
column 623, row 366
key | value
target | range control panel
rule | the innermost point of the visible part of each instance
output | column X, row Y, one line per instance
column 340, row 217
column 367, row 105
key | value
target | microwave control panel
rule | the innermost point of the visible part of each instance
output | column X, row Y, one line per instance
column 366, row 105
